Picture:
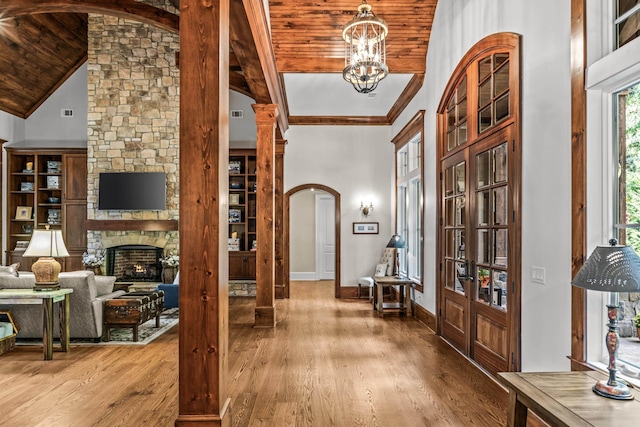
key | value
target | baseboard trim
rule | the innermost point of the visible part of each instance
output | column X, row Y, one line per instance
column 304, row 275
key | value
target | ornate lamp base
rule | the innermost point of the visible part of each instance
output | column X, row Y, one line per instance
column 618, row 391
column 46, row 286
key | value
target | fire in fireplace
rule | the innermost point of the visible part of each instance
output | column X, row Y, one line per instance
column 134, row 263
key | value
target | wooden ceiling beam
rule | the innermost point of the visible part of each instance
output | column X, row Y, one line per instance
column 250, row 39
column 130, row 9
column 339, row 121
column 404, row 65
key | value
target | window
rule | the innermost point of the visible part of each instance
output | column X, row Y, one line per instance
column 612, row 108
column 627, row 21
column 627, row 208
column 409, row 203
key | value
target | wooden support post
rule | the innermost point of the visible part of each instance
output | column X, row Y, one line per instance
column 266, row 115
column 204, row 260
column 578, row 179
column 279, row 220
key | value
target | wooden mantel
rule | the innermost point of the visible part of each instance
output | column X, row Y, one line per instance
column 132, row 225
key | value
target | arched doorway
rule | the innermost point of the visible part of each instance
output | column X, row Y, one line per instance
column 287, row 205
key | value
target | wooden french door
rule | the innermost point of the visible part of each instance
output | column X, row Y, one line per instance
column 478, row 205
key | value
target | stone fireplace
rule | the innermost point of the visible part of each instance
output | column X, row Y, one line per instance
column 134, row 263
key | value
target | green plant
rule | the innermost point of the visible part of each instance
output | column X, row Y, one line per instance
column 636, row 320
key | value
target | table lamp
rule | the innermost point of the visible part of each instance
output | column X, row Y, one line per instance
column 46, row 244
column 611, row 269
column 396, row 242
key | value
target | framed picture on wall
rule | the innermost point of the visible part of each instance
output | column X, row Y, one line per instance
column 365, row 228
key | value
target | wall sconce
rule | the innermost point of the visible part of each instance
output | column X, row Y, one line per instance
column 366, row 210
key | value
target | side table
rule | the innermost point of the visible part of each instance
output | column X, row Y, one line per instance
column 403, row 306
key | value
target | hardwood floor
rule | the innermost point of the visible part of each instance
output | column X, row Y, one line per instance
column 328, row 362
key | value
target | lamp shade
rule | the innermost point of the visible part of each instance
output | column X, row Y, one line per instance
column 396, row 242
column 46, row 243
column 611, row 268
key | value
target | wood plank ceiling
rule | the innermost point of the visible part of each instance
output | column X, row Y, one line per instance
column 39, row 52
column 307, row 35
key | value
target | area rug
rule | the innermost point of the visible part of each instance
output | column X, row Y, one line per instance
column 147, row 332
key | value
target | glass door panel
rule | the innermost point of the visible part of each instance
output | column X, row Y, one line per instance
column 491, row 246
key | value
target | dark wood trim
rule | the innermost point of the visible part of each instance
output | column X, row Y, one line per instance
column 304, row 65
column 339, row 121
column 2, row 142
column 266, row 116
column 130, row 9
column 412, row 128
column 578, row 179
column 279, row 219
column 204, row 178
column 511, row 128
column 251, row 43
column 409, row 92
column 287, row 231
column 132, row 225
column 415, row 125
column 424, row 316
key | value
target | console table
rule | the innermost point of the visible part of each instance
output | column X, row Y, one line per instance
column 566, row 399
column 47, row 299
column 403, row 306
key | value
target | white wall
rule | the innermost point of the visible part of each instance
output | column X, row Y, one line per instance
column 302, row 232
column 47, row 123
column 357, row 162
column 546, row 142
column 242, row 132
column 11, row 127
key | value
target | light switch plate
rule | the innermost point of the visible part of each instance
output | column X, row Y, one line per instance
column 537, row 275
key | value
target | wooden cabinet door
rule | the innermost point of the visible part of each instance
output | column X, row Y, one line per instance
column 75, row 177
column 236, row 261
column 250, row 265
column 75, row 235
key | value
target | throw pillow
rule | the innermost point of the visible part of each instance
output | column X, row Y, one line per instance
column 176, row 281
column 381, row 270
column 10, row 270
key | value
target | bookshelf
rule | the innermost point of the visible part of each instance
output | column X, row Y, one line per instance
column 46, row 188
column 242, row 213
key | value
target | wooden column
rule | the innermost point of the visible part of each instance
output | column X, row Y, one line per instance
column 578, row 179
column 279, row 219
column 266, row 115
column 204, row 148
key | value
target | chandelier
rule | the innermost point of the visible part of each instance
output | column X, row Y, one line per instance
column 364, row 56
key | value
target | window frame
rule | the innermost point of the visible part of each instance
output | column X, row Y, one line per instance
column 408, row 209
column 610, row 71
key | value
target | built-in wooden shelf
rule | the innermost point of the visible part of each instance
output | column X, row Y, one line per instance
column 132, row 224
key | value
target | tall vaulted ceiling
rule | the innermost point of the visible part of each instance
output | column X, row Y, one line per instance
column 39, row 51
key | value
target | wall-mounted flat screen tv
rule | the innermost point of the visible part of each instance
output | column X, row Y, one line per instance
column 132, row 191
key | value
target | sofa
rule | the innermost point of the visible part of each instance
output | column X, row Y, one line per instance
column 86, row 304
column 171, row 292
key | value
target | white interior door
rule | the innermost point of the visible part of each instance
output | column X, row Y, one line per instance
column 325, row 237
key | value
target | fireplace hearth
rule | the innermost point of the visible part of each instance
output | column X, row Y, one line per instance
column 134, row 263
